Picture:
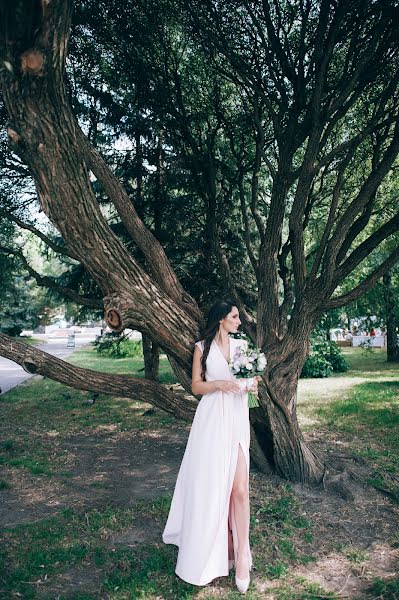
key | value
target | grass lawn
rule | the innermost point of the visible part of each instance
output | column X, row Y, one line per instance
column 362, row 407
column 90, row 359
column 32, row 341
column 113, row 550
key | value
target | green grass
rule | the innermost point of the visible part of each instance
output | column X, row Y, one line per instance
column 50, row 406
column 355, row 555
column 371, row 363
column 319, row 392
column 362, row 407
column 42, row 550
column 304, row 590
column 385, row 589
column 34, row 456
column 90, row 359
column 32, row 341
column 369, row 416
column 47, row 411
column 281, row 537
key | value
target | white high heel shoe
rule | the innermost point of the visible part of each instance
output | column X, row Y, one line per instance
column 243, row 584
column 231, row 564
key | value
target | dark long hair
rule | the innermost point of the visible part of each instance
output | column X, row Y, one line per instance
column 218, row 311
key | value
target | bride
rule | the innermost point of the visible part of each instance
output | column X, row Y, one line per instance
column 209, row 514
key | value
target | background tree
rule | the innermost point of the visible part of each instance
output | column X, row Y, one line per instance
column 299, row 125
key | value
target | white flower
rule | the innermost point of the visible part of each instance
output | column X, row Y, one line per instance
column 246, row 360
column 261, row 363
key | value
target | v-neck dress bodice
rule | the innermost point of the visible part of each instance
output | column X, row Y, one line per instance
column 217, row 366
column 201, row 508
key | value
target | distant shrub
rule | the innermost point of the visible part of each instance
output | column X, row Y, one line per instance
column 11, row 329
column 115, row 345
column 324, row 359
column 316, row 366
column 333, row 354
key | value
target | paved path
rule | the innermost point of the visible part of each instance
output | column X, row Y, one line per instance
column 12, row 374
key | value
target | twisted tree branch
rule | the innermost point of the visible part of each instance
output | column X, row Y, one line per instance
column 41, row 363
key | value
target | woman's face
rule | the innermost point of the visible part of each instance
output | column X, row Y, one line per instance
column 231, row 322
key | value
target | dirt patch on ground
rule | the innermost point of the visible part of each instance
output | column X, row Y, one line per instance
column 336, row 573
column 97, row 470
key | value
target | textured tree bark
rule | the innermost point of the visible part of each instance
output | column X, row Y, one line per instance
column 281, row 439
column 151, row 358
column 391, row 321
column 275, row 423
column 45, row 134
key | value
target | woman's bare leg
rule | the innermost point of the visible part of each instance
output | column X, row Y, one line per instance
column 240, row 498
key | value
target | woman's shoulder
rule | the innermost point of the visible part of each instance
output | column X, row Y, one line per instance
column 200, row 345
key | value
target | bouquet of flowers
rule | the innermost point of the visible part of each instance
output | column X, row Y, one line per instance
column 245, row 364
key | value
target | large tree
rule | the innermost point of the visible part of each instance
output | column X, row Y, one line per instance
column 317, row 86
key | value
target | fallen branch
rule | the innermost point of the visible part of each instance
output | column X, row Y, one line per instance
column 37, row 362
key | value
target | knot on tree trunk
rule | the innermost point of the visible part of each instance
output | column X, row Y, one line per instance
column 114, row 319
column 32, row 62
column 115, row 311
column 29, row 367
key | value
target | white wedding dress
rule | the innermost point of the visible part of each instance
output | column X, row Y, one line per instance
column 201, row 508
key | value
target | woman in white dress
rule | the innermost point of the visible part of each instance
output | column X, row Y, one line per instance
column 209, row 514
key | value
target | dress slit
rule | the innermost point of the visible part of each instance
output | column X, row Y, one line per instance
column 231, row 518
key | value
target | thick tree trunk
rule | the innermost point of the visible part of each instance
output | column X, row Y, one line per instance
column 53, row 147
column 275, row 423
column 390, row 319
column 278, row 434
column 151, row 358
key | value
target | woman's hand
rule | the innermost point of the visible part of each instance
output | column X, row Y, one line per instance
column 254, row 386
column 228, row 386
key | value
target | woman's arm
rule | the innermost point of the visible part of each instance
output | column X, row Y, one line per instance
column 200, row 387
